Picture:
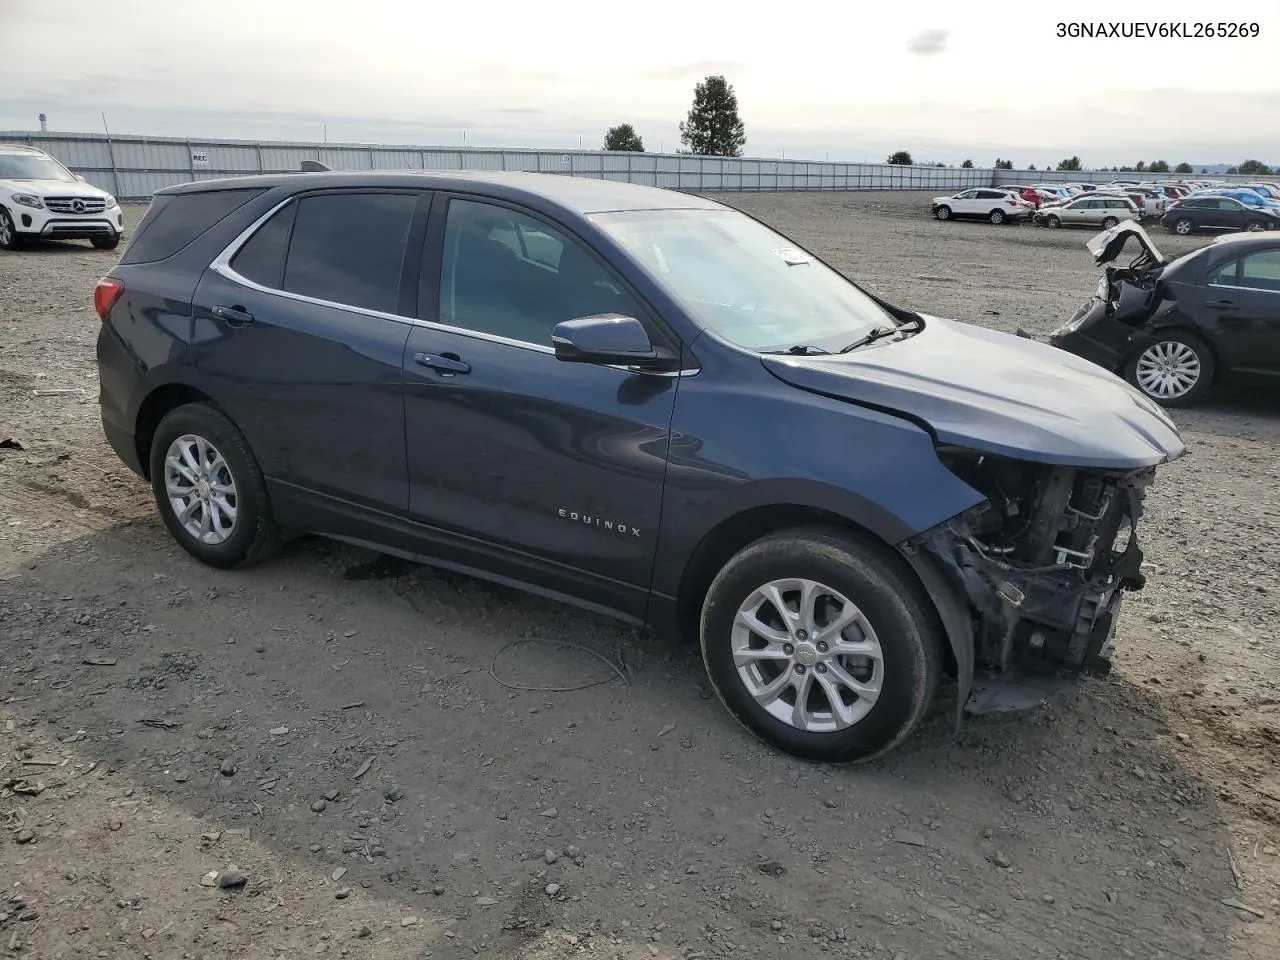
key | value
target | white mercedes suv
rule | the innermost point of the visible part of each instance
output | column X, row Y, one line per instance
column 42, row 199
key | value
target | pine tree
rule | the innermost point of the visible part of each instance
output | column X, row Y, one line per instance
column 713, row 128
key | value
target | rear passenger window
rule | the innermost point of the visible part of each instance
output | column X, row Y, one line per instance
column 262, row 258
column 349, row 248
column 174, row 220
column 1261, row 270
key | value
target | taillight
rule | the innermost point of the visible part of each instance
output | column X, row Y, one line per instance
column 105, row 295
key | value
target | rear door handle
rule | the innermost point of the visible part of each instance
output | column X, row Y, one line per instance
column 447, row 364
column 1221, row 305
column 236, row 316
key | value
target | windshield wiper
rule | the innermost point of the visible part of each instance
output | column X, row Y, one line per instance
column 803, row 350
column 879, row 333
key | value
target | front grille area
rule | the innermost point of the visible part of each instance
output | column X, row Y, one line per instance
column 75, row 205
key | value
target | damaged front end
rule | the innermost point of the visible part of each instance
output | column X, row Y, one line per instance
column 1033, row 579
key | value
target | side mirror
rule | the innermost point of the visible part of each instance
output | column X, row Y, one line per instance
column 607, row 339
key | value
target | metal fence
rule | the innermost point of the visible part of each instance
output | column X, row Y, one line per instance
column 134, row 167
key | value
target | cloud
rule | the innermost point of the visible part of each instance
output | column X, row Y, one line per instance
column 927, row 43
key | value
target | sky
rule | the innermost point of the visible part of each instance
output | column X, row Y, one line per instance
column 814, row 80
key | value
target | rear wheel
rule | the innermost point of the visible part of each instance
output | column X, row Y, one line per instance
column 9, row 239
column 1175, row 370
column 820, row 647
column 210, row 490
column 1183, row 226
column 997, row 216
column 1109, row 222
column 943, row 212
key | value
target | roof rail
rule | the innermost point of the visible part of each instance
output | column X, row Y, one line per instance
column 315, row 166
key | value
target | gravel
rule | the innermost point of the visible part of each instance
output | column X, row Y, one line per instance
column 385, row 675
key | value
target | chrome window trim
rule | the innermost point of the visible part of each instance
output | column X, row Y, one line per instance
column 222, row 265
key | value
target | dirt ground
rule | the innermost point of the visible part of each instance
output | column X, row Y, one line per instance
column 344, row 734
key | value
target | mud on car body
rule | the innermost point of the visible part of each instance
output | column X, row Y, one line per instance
column 642, row 402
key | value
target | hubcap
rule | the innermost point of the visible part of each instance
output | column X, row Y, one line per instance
column 1183, row 226
column 1254, row 227
column 807, row 655
column 201, row 489
column 1168, row 370
column 6, row 234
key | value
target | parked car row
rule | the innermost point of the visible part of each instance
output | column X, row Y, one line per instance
column 1183, row 207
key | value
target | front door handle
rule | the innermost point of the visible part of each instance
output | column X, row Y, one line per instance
column 447, row 363
column 1221, row 305
column 235, row 316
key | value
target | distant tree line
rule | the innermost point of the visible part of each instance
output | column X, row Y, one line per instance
column 713, row 128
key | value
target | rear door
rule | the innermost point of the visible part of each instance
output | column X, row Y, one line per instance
column 300, row 329
column 1244, row 296
column 551, row 472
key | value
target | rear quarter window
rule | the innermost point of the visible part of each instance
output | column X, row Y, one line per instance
column 175, row 219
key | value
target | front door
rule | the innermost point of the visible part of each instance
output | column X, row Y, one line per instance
column 551, row 471
column 1244, row 295
column 301, row 334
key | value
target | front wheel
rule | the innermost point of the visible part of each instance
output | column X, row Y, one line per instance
column 9, row 239
column 1052, row 221
column 997, row 217
column 106, row 243
column 1183, row 227
column 1174, row 371
column 210, row 490
column 943, row 212
column 820, row 647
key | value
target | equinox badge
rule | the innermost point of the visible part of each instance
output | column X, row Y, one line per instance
column 589, row 520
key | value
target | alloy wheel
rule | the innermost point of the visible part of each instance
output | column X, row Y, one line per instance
column 201, row 489
column 1168, row 370
column 807, row 655
column 6, row 230
column 1183, row 227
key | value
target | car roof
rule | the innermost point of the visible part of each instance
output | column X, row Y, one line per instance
column 20, row 148
column 1247, row 239
column 583, row 195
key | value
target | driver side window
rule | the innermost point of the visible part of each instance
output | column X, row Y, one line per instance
column 510, row 275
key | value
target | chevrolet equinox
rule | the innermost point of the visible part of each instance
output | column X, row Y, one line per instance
column 643, row 402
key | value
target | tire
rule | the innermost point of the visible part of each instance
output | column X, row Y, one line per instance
column 894, row 628
column 252, row 535
column 1172, row 346
column 1184, row 227
column 10, row 239
column 1109, row 222
column 106, row 243
column 1052, row 221
column 943, row 212
column 997, row 217
column 1255, row 226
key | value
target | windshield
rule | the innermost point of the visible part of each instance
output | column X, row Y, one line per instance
column 15, row 166
column 747, row 283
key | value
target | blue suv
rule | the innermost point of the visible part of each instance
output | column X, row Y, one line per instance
column 643, row 402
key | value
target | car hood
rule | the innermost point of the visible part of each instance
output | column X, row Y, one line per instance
column 996, row 393
column 1106, row 246
column 53, row 188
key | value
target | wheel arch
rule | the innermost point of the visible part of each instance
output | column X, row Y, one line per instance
column 733, row 533
column 154, row 407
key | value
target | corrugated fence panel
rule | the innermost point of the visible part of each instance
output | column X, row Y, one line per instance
column 133, row 167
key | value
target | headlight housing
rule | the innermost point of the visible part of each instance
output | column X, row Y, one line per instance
column 28, row 200
column 112, row 202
